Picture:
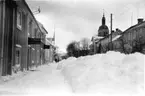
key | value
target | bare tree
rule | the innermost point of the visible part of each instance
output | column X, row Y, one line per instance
column 85, row 42
column 84, row 46
column 72, row 49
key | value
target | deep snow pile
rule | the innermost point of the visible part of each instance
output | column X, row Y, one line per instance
column 112, row 73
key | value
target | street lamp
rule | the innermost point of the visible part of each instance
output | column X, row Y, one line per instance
column 37, row 11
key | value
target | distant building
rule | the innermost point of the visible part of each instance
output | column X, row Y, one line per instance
column 103, row 30
column 50, row 52
column 132, row 39
column 43, row 40
column 94, row 40
column 104, row 44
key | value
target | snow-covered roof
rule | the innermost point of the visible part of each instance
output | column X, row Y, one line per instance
column 42, row 28
column 97, row 37
column 116, row 37
column 49, row 42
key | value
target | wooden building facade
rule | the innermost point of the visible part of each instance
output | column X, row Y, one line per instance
column 7, row 23
column 21, row 38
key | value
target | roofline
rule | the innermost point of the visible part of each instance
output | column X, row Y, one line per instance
column 51, row 44
column 32, row 14
column 39, row 23
column 45, row 30
column 131, row 27
column 109, row 35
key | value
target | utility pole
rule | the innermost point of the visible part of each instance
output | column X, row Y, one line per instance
column 54, row 35
column 94, row 45
column 111, row 32
column 53, row 40
column 131, row 18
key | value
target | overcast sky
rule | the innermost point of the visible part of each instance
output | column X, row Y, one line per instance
column 75, row 19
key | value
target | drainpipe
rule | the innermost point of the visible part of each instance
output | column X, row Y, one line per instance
column 13, row 37
column 94, row 45
column 2, row 31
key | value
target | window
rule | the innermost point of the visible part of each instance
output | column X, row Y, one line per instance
column 18, row 56
column 29, row 28
column 19, row 20
column 35, row 32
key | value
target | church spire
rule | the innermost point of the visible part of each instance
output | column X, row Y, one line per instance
column 103, row 18
column 54, row 35
column 103, row 13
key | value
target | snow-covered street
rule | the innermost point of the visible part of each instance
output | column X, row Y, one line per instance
column 110, row 74
column 45, row 80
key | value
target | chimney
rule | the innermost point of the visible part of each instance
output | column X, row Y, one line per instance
column 113, row 31
column 140, row 20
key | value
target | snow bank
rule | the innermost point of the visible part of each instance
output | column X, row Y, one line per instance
column 65, row 62
column 16, row 74
column 112, row 72
column 7, row 78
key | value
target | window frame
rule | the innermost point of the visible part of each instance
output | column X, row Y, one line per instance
column 18, row 48
column 19, row 17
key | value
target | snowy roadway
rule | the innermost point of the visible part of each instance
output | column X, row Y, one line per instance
column 110, row 74
column 45, row 80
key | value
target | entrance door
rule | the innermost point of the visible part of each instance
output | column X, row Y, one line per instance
column 17, row 65
column 28, row 59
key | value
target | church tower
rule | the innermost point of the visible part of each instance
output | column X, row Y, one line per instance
column 103, row 29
